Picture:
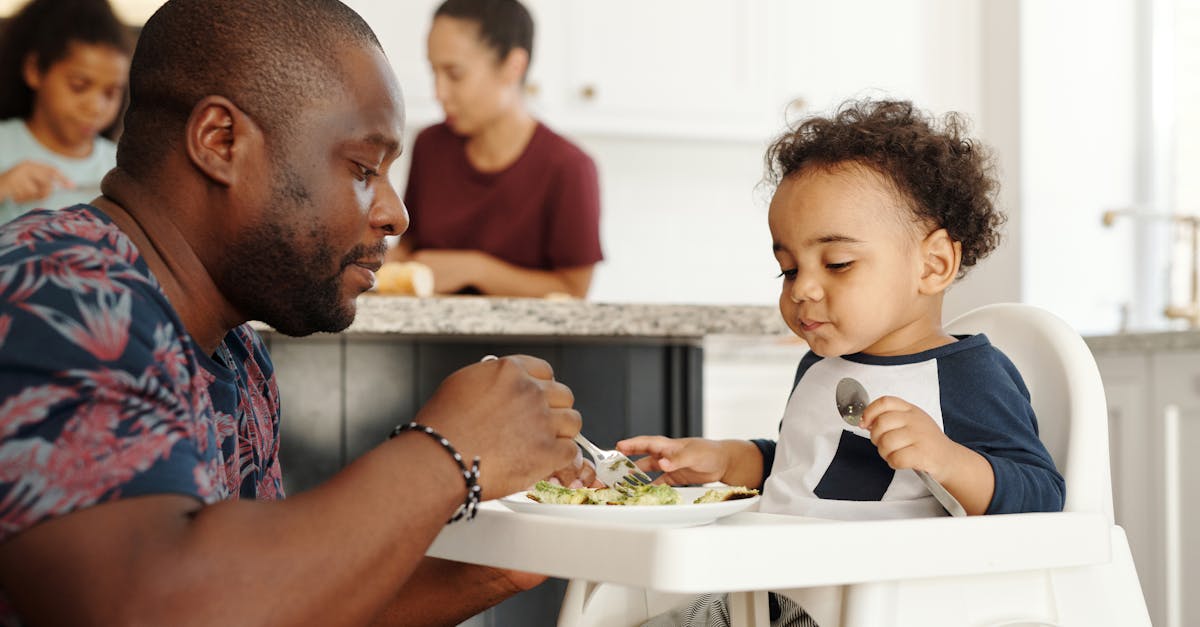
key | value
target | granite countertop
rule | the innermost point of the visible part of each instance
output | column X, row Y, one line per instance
column 1150, row 341
column 483, row 316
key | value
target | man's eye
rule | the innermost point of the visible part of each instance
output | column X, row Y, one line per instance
column 364, row 172
column 837, row 267
column 787, row 275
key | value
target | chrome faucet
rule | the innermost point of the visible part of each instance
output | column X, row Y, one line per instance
column 1190, row 311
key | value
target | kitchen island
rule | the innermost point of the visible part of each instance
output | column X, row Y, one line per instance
column 634, row 369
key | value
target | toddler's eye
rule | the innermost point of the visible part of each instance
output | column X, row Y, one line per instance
column 837, row 267
column 787, row 275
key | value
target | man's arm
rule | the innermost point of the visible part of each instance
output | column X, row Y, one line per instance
column 442, row 592
column 335, row 555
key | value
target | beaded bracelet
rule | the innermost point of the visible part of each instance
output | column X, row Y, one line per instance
column 471, row 476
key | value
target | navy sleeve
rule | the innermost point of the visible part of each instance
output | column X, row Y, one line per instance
column 985, row 407
column 767, row 449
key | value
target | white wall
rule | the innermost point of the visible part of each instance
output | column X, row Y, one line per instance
column 1053, row 88
column 1080, row 148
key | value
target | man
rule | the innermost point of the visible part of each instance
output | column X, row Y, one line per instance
column 139, row 481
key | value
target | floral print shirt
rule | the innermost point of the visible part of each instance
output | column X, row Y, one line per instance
column 104, row 395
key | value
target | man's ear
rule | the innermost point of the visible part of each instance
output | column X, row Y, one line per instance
column 940, row 260
column 30, row 72
column 222, row 141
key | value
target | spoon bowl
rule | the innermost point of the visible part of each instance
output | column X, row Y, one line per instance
column 852, row 400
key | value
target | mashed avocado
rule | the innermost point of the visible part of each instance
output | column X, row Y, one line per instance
column 546, row 492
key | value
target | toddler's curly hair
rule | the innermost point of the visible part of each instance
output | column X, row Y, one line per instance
column 947, row 177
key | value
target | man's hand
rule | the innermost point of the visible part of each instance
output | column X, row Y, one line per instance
column 907, row 437
column 581, row 473
column 30, row 180
column 513, row 415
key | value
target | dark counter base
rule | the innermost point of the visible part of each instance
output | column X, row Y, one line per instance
column 342, row 395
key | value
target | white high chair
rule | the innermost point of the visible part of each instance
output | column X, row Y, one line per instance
column 1067, row 395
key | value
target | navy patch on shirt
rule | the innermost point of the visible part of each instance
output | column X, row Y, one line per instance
column 856, row 473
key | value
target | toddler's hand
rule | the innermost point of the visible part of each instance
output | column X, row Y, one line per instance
column 907, row 437
column 682, row 461
column 30, row 180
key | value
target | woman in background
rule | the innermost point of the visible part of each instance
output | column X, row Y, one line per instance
column 64, row 65
column 500, row 204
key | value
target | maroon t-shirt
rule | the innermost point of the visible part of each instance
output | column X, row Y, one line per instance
column 542, row 212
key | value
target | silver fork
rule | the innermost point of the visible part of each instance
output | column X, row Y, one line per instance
column 613, row 469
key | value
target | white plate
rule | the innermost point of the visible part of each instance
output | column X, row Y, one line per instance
column 685, row 513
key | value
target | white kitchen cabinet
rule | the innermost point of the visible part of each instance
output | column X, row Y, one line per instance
column 1154, row 425
column 1175, row 429
column 826, row 52
column 712, row 69
column 402, row 29
column 669, row 67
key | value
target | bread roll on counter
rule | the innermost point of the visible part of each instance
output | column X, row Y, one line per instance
column 408, row 278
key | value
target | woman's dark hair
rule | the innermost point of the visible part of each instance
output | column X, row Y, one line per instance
column 504, row 25
column 947, row 177
column 46, row 29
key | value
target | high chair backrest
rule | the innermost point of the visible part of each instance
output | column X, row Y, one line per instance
column 1065, row 389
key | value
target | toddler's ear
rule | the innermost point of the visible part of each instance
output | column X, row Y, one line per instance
column 940, row 259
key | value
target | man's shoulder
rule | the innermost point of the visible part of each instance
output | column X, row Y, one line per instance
column 79, row 231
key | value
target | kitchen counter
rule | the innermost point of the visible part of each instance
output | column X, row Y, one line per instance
column 535, row 317
column 1150, row 342
column 634, row 368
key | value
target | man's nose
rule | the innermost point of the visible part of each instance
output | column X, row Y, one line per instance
column 389, row 214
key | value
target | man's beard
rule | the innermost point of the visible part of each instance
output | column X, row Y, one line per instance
column 284, row 279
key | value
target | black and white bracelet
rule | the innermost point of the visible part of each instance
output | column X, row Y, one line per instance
column 470, row 475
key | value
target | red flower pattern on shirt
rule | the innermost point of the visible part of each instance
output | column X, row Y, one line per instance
column 104, row 394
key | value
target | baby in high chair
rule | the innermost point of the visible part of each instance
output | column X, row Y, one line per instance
column 877, row 211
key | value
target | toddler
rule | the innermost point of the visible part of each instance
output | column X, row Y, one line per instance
column 876, row 211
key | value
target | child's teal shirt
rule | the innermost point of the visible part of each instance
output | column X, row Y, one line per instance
column 17, row 144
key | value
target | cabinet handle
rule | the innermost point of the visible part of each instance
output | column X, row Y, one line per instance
column 588, row 92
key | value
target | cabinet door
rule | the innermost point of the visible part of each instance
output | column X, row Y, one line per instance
column 1175, row 426
column 668, row 66
column 924, row 50
column 402, row 28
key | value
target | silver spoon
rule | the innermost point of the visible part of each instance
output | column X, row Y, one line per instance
column 852, row 401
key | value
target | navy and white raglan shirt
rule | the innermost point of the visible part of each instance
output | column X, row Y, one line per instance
column 823, row 467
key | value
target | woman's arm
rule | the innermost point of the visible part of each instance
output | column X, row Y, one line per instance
column 455, row 269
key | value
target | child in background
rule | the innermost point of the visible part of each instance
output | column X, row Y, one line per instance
column 64, row 65
column 877, row 211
